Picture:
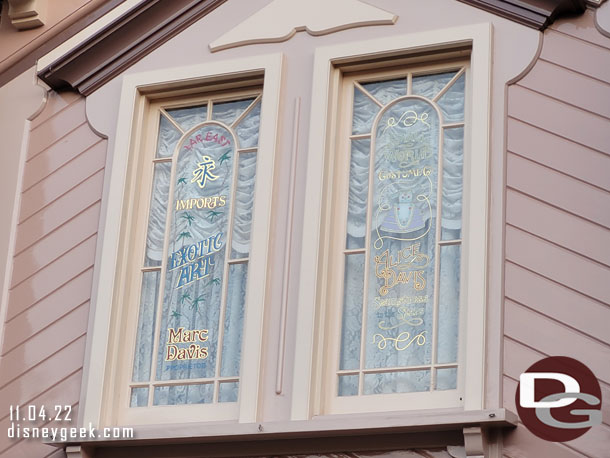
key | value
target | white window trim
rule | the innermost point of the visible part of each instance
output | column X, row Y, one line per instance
column 101, row 352
column 306, row 396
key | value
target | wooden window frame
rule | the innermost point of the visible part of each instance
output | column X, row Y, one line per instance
column 341, row 165
column 316, row 309
column 105, row 398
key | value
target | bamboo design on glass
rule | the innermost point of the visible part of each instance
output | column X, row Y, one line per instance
column 413, row 338
column 143, row 387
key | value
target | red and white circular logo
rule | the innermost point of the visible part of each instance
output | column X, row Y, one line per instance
column 559, row 399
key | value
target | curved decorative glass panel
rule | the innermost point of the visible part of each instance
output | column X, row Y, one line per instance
column 194, row 277
column 402, row 243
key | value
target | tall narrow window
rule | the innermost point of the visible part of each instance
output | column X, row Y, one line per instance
column 400, row 253
column 195, row 264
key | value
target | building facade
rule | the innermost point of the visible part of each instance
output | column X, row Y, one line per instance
column 286, row 228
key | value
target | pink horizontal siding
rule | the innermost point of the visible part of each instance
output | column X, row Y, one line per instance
column 43, row 252
column 40, row 315
column 59, row 212
column 46, row 322
column 557, row 268
column 559, row 154
column 62, row 180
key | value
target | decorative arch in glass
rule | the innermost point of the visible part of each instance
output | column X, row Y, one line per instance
column 401, row 282
column 195, row 266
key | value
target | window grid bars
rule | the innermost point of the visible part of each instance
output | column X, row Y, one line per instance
column 163, row 269
column 433, row 367
column 384, row 370
column 223, row 300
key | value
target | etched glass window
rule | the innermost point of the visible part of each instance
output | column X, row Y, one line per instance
column 401, row 281
column 195, row 265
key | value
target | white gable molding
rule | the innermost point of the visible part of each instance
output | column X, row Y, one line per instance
column 281, row 19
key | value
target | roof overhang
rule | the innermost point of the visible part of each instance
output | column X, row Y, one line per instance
column 123, row 42
column 537, row 14
column 149, row 24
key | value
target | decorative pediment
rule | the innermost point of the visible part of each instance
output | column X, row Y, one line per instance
column 281, row 19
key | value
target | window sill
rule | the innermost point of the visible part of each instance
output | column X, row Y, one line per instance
column 397, row 425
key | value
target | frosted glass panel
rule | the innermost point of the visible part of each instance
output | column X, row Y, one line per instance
column 146, row 327
column 358, row 193
column 452, row 102
column 401, row 270
column 196, row 254
column 386, row 91
column 228, row 392
column 453, row 161
column 228, row 112
column 183, row 394
column 449, row 304
column 168, row 137
column 446, row 379
column 157, row 214
column 397, row 382
column 364, row 113
column 139, row 397
column 188, row 118
column 247, row 129
column 352, row 312
column 234, row 320
column 348, row 385
column 430, row 85
column 403, row 324
column 244, row 204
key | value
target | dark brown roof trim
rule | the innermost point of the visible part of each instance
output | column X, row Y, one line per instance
column 26, row 57
column 124, row 42
column 537, row 14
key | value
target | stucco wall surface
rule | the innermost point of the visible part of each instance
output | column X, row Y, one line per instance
column 558, row 223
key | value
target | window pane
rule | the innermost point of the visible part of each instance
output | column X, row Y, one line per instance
column 234, row 320
column 397, row 382
column 386, row 91
column 183, row 394
column 453, row 161
column 446, row 379
column 430, row 85
column 364, row 113
column 452, row 102
column 228, row 112
column 139, row 397
column 244, row 204
column 247, row 129
column 449, row 304
column 228, row 392
column 188, row 118
column 348, row 385
column 196, row 255
column 168, row 137
column 358, row 193
column 146, row 327
column 401, row 270
column 158, row 212
column 352, row 312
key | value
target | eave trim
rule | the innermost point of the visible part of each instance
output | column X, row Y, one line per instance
column 123, row 42
column 537, row 14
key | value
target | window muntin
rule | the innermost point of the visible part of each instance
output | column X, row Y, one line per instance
column 406, row 154
column 201, row 203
